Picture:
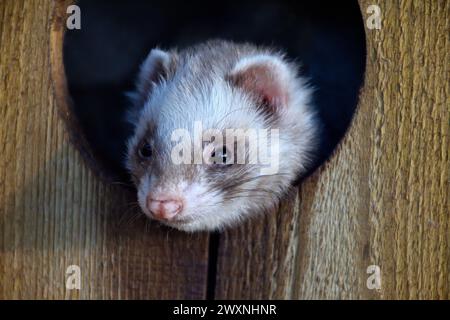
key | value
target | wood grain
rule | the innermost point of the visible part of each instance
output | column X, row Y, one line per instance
column 54, row 212
column 383, row 197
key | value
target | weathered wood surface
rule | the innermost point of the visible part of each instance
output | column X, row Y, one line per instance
column 381, row 200
column 53, row 212
column 383, row 197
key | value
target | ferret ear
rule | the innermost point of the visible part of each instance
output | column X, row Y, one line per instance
column 155, row 68
column 266, row 77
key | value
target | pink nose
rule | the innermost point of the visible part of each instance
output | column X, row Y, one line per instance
column 164, row 209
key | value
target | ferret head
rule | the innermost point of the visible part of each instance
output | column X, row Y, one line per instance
column 221, row 132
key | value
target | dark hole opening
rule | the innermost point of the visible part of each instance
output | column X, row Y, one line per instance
column 101, row 60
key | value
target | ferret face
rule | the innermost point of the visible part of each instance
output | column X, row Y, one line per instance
column 221, row 132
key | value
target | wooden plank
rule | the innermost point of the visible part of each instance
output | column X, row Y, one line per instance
column 53, row 211
column 383, row 197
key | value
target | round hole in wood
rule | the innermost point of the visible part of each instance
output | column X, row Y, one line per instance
column 101, row 60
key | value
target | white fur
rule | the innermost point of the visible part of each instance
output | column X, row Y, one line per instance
column 176, row 104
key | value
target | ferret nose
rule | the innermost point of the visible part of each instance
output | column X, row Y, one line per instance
column 164, row 208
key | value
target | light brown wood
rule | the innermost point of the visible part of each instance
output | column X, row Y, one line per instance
column 53, row 211
column 381, row 200
column 383, row 197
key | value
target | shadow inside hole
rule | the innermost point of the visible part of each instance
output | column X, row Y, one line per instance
column 101, row 60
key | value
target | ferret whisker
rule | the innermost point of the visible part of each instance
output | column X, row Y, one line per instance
column 125, row 208
column 147, row 225
column 121, row 183
column 128, row 205
column 224, row 117
column 233, row 183
column 126, row 219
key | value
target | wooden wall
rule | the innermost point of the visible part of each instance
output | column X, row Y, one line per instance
column 383, row 198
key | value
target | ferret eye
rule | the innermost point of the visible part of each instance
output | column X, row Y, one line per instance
column 221, row 156
column 145, row 151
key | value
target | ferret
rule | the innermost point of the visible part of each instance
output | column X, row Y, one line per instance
column 194, row 181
